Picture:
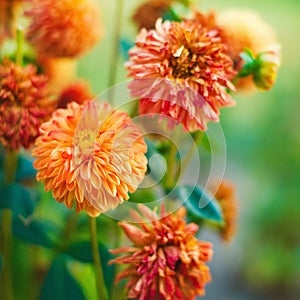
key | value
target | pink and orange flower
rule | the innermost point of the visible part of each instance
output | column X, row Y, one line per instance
column 181, row 71
column 25, row 103
column 90, row 155
column 166, row 260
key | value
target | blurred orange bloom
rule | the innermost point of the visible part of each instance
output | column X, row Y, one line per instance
column 78, row 92
column 226, row 197
column 244, row 29
column 24, row 104
column 91, row 155
column 166, row 260
column 146, row 15
column 64, row 28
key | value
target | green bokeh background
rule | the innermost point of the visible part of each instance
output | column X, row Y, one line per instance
column 262, row 134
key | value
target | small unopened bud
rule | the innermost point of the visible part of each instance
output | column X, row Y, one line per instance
column 265, row 72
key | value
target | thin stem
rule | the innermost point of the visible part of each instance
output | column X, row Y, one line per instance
column 171, row 166
column 101, row 289
column 10, row 168
column 190, row 153
column 6, row 280
column 115, row 48
column 20, row 44
column 117, row 289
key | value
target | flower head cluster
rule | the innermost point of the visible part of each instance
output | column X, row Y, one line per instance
column 225, row 195
column 24, row 104
column 65, row 28
column 181, row 71
column 91, row 155
column 166, row 260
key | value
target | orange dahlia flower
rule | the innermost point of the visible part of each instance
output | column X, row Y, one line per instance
column 91, row 155
column 64, row 28
column 181, row 71
column 226, row 197
column 166, row 260
column 24, row 104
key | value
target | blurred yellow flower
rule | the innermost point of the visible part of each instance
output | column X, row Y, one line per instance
column 61, row 71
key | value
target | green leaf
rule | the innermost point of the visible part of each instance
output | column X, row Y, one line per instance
column 125, row 46
column 200, row 206
column 60, row 284
column 177, row 11
column 39, row 232
column 82, row 252
column 156, row 162
column 20, row 199
column 143, row 196
column 25, row 168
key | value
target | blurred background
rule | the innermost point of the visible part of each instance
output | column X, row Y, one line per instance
column 263, row 161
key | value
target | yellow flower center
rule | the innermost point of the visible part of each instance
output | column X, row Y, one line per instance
column 183, row 62
column 84, row 143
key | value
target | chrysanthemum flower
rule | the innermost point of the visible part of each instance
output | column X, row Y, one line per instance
column 181, row 71
column 244, row 29
column 24, row 105
column 65, row 28
column 225, row 195
column 91, row 155
column 166, row 260
column 78, row 92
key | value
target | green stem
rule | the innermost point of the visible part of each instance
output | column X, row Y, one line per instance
column 115, row 48
column 20, row 44
column 6, row 280
column 117, row 291
column 101, row 289
column 197, row 138
column 10, row 168
column 171, row 166
column 134, row 109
